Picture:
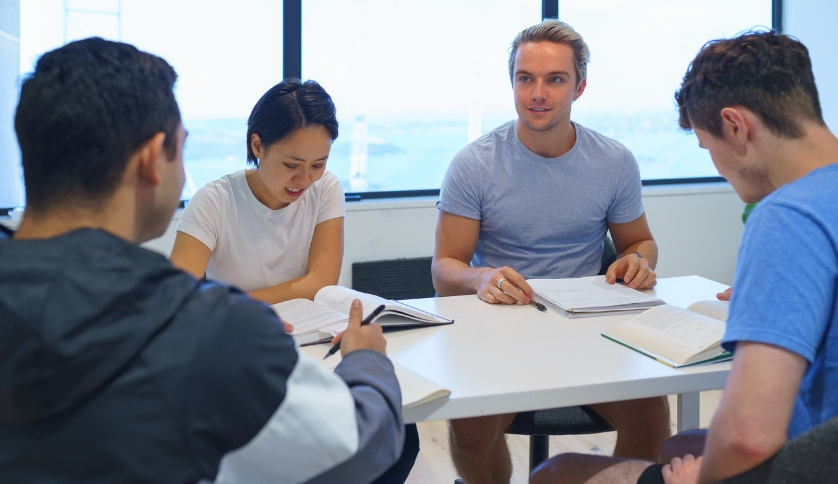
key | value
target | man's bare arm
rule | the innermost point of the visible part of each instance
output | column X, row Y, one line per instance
column 637, row 254
column 752, row 420
column 456, row 239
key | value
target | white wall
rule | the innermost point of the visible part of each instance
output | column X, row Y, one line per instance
column 698, row 228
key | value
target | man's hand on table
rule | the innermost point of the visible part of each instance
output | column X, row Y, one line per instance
column 503, row 286
column 633, row 270
column 725, row 295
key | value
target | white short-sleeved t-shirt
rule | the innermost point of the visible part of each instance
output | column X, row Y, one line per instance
column 254, row 247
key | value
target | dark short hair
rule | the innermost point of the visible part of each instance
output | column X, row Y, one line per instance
column 85, row 110
column 768, row 73
column 287, row 107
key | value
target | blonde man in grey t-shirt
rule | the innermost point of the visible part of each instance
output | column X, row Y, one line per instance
column 534, row 198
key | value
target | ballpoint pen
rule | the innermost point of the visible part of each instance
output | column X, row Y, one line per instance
column 538, row 305
column 334, row 349
column 533, row 302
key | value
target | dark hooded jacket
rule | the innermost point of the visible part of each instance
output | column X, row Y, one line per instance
column 117, row 367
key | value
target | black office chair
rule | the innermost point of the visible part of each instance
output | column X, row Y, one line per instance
column 541, row 424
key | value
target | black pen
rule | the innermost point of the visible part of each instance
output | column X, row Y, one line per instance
column 533, row 302
column 334, row 349
column 538, row 305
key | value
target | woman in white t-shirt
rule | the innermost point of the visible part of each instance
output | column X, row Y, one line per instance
column 274, row 230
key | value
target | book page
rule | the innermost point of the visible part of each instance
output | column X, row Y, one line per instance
column 588, row 293
column 416, row 389
column 671, row 332
column 307, row 316
column 714, row 308
column 340, row 299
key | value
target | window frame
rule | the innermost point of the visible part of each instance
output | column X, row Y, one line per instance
column 292, row 67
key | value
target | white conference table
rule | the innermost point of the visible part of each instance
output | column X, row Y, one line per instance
column 504, row 359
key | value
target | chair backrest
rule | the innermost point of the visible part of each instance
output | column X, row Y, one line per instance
column 394, row 279
column 609, row 255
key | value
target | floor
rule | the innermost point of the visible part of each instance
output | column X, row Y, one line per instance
column 434, row 463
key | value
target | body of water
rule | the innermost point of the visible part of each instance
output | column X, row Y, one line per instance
column 411, row 155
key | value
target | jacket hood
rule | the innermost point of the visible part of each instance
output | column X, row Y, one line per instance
column 74, row 311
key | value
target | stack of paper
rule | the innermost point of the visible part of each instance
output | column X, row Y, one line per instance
column 589, row 296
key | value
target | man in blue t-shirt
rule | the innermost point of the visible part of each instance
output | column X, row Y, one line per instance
column 534, row 199
column 753, row 104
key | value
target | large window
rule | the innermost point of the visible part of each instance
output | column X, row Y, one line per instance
column 639, row 54
column 226, row 54
column 414, row 85
column 413, row 82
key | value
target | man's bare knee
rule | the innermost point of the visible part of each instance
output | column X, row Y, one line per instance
column 642, row 425
column 644, row 413
column 560, row 468
column 626, row 472
column 475, row 434
column 582, row 468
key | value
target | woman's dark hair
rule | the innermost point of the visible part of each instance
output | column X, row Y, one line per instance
column 287, row 107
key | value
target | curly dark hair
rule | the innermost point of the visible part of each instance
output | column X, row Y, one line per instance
column 83, row 112
column 768, row 73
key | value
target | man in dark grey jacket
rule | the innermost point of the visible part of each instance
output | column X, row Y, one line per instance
column 116, row 367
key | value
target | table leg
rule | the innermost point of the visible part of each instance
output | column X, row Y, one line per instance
column 688, row 411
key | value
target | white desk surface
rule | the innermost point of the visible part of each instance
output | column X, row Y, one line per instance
column 503, row 359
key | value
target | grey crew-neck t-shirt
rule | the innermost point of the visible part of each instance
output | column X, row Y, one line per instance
column 543, row 217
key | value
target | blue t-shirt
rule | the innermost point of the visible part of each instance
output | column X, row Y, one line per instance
column 543, row 217
column 785, row 287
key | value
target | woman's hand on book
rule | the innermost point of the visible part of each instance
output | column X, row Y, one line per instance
column 725, row 295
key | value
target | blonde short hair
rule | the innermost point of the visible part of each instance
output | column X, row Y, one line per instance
column 560, row 33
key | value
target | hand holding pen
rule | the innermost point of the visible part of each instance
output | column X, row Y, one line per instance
column 360, row 334
column 506, row 286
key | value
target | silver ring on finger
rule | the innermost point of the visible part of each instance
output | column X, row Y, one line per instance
column 499, row 283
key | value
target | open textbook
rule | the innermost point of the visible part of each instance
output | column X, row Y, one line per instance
column 677, row 337
column 319, row 320
column 589, row 296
